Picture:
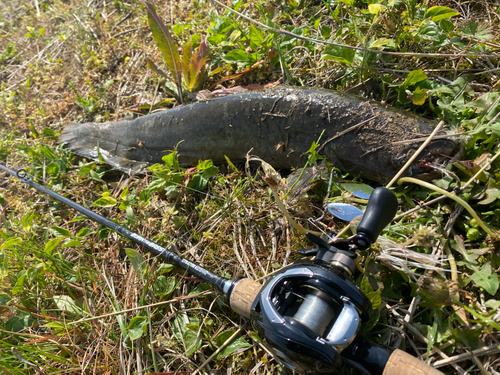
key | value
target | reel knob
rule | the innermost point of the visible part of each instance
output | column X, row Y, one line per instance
column 381, row 209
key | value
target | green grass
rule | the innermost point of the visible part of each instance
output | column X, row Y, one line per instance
column 77, row 298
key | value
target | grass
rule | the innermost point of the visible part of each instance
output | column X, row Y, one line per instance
column 77, row 298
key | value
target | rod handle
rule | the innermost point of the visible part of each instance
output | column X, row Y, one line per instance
column 243, row 295
column 403, row 363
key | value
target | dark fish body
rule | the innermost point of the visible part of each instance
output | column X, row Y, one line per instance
column 278, row 125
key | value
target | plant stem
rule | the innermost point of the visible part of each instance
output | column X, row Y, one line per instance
column 452, row 196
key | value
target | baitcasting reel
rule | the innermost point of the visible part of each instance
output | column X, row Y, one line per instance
column 309, row 313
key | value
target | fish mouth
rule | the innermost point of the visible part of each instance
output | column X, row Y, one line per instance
column 432, row 163
column 426, row 171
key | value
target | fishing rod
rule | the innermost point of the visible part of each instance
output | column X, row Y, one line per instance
column 309, row 313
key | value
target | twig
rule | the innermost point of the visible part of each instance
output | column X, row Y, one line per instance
column 487, row 350
column 219, row 349
column 415, row 140
column 352, row 128
column 431, row 202
column 317, row 41
column 486, row 165
column 415, row 155
column 237, row 253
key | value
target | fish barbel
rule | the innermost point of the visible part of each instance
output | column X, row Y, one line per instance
column 279, row 125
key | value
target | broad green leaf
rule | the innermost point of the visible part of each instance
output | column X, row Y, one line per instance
column 238, row 56
column 53, row 169
column 156, row 185
column 4, row 299
column 254, row 336
column 446, row 26
column 72, row 243
column 256, row 37
column 235, row 36
column 171, row 162
column 164, row 286
column 492, row 304
column 52, row 244
column 376, row 8
column 341, row 54
column 137, row 260
column 200, row 288
column 58, row 327
column 137, row 327
column 439, row 13
column 414, row 77
column 166, row 44
column 107, row 200
column 66, row 303
column 486, row 279
column 429, row 30
column 381, row 42
column 326, row 31
column 84, row 232
column 19, row 323
column 492, row 192
column 10, row 242
column 164, row 268
column 28, row 220
column 359, row 190
column 237, row 343
column 347, row 2
column 186, row 334
column 419, row 96
column 60, row 232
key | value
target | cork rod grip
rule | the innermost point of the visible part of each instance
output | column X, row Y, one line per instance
column 243, row 295
column 403, row 363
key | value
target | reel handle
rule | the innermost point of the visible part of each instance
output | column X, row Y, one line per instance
column 381, row 209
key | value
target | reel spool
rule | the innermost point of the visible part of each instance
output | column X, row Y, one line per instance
column 308, row 313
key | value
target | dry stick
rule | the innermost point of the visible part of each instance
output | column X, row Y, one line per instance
column 354, row 127
column 222, row 347
column 415, row 140
column 487, row 350
column 287, row 33
column 486, row 165
column 237, row 253
column 415, row 155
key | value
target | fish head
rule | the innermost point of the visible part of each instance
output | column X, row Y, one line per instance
column 383, row 161
column 433, row 159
